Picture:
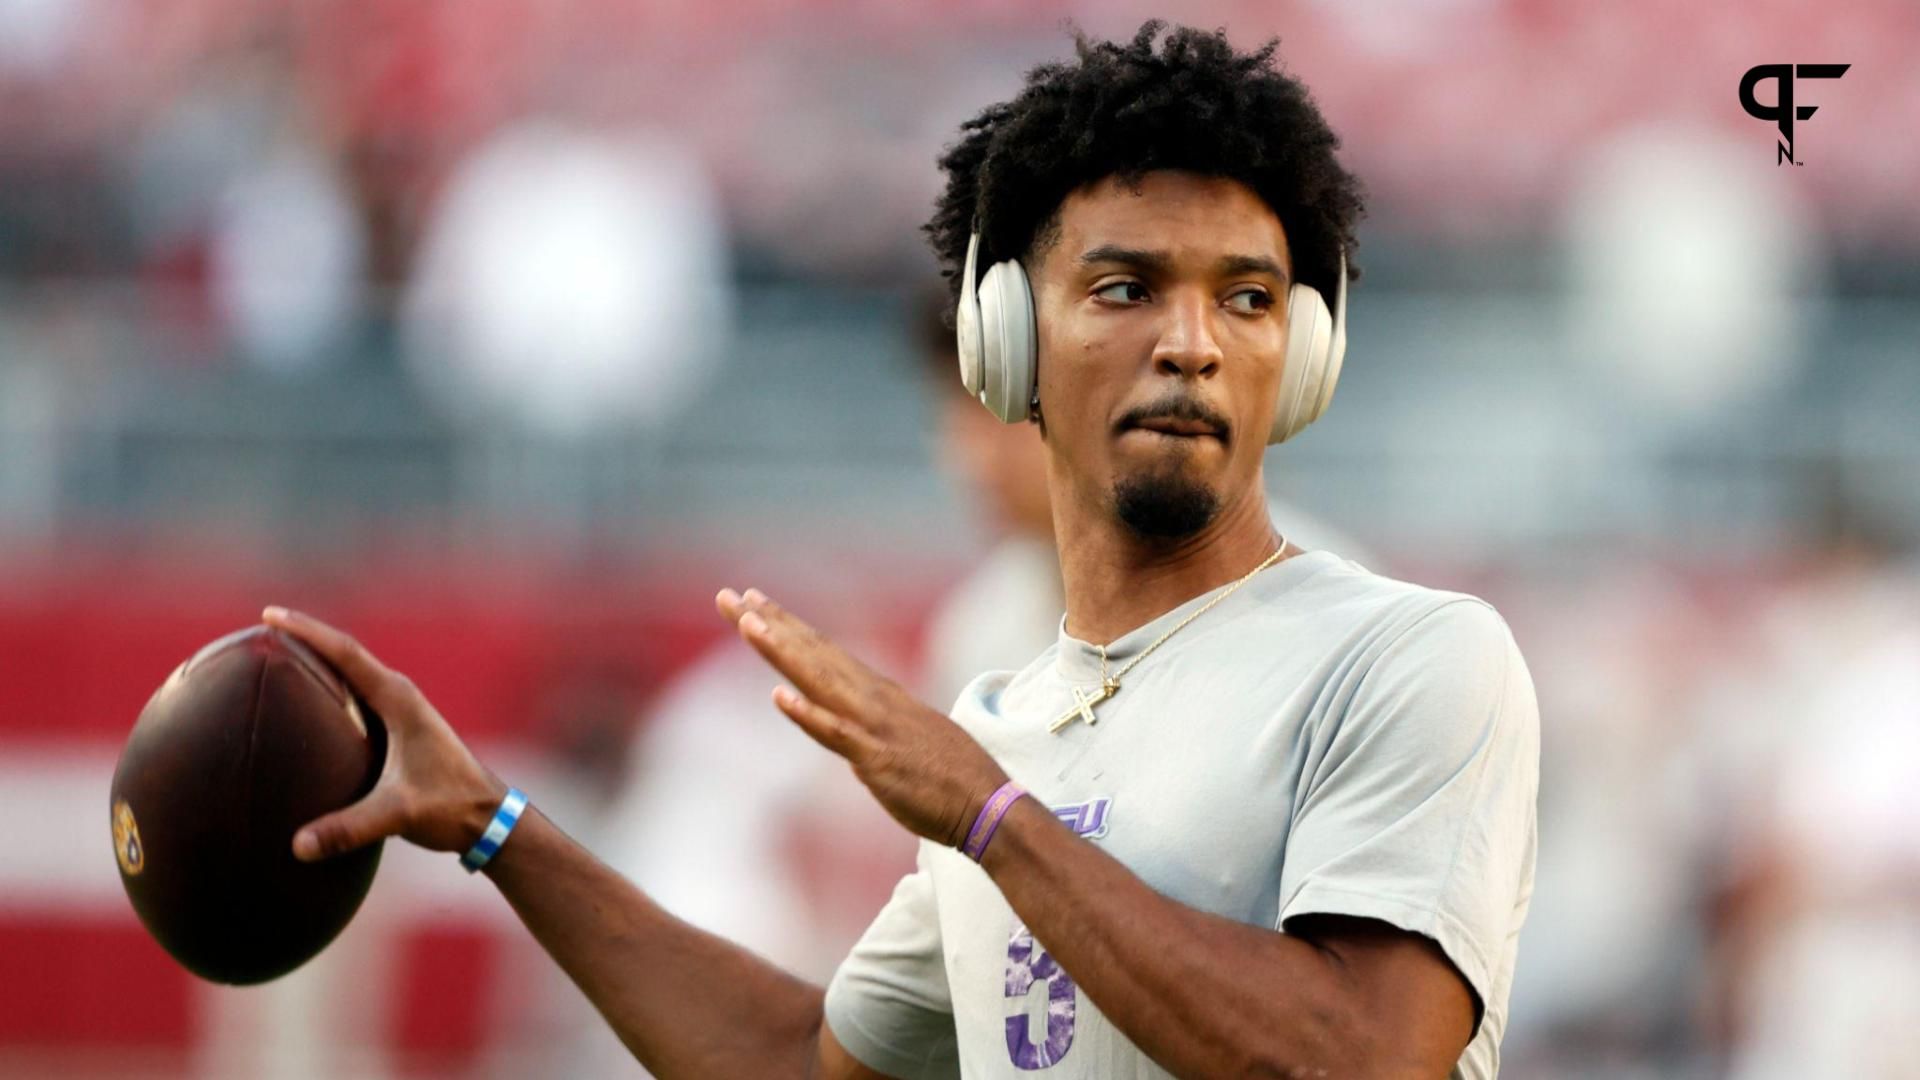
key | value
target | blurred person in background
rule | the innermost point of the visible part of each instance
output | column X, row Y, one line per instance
column 1006, row 609
column 1813, row 907
column 742, row 829
column 552, row 290
column 1326, row 865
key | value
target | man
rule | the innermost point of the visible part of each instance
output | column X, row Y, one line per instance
column 1281, row 811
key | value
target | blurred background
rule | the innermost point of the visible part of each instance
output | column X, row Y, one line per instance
column 505, row 332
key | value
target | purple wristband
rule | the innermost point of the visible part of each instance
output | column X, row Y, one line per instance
column 996, row 808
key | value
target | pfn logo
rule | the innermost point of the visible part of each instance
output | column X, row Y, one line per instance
column 1782, row 111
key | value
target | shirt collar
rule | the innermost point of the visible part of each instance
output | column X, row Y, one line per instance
column 1079, row 661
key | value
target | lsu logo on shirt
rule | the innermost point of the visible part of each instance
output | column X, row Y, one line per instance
column 1088, row 819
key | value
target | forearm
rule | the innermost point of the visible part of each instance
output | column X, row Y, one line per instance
column 687, row 1003
column 1200, row 994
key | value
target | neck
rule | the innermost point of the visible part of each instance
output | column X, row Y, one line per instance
column 1116, row 581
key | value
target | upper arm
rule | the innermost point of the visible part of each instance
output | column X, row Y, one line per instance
column 1417, row 813
column 1414, row 1008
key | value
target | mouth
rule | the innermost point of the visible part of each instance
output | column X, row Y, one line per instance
column 1172, row 428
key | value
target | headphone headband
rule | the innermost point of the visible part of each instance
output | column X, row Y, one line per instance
column 966, row 321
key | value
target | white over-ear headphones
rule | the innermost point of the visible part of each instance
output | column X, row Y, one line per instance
column 995, row 328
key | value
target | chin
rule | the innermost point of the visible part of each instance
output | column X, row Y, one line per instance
column 1165, row 503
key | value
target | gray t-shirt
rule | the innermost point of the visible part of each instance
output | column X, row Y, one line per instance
column 1325, row 740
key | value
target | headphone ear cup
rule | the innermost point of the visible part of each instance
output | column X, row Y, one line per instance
column 1336, row 353
column 1008, row 342
column 1336, row 356
column 1304, row 386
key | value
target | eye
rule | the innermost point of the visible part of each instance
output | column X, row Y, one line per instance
column 1250, row 301
column 1122, row 292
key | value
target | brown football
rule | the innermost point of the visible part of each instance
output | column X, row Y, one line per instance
column 252, row 738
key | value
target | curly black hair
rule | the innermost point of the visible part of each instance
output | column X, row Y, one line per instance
column 1125, row 109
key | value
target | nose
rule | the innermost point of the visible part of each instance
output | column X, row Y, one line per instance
column 1187, row 347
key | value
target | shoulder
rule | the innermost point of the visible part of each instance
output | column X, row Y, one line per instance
column 1391, row 650
column 1371, row 614
column 1441, row 671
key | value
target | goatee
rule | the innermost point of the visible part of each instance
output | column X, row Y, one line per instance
column 1164, row 505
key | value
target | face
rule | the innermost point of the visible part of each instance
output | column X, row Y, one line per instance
column 1162, row 326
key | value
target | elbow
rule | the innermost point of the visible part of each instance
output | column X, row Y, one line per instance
column 1278, row 1067
column 1361, row 1056
column 1345, row 1063
column 1337, row 1044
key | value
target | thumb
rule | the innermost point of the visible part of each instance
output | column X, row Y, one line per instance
column 375, row 817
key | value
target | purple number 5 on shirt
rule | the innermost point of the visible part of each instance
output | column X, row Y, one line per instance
column 1027, row 965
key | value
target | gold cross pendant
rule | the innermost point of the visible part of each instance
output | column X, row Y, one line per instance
column 1083, row 703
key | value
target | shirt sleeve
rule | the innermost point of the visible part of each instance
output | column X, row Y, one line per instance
column 889, row 1003
column 1419, row 803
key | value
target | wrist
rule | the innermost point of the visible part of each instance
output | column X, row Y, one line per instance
column 499, row 827
column 987, row 820
column 478, row 807
column 1014, row 834
column 505, row 861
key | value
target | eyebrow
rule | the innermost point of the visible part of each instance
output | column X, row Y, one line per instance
column 1234, row 265
column 1150, row 261
column 1157, row 262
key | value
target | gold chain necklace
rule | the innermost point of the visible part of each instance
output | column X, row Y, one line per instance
column 1084, row 701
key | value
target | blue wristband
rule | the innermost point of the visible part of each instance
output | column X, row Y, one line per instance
column 504, row 819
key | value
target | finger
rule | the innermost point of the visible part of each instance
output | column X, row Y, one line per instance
column 380, row 814
column 761, row 604
column 730, row 605
column 821, row 724
column 816, row 665
column 373, row 680
column 800, row 636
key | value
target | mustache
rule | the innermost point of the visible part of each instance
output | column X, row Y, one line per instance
column 1175, row 407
